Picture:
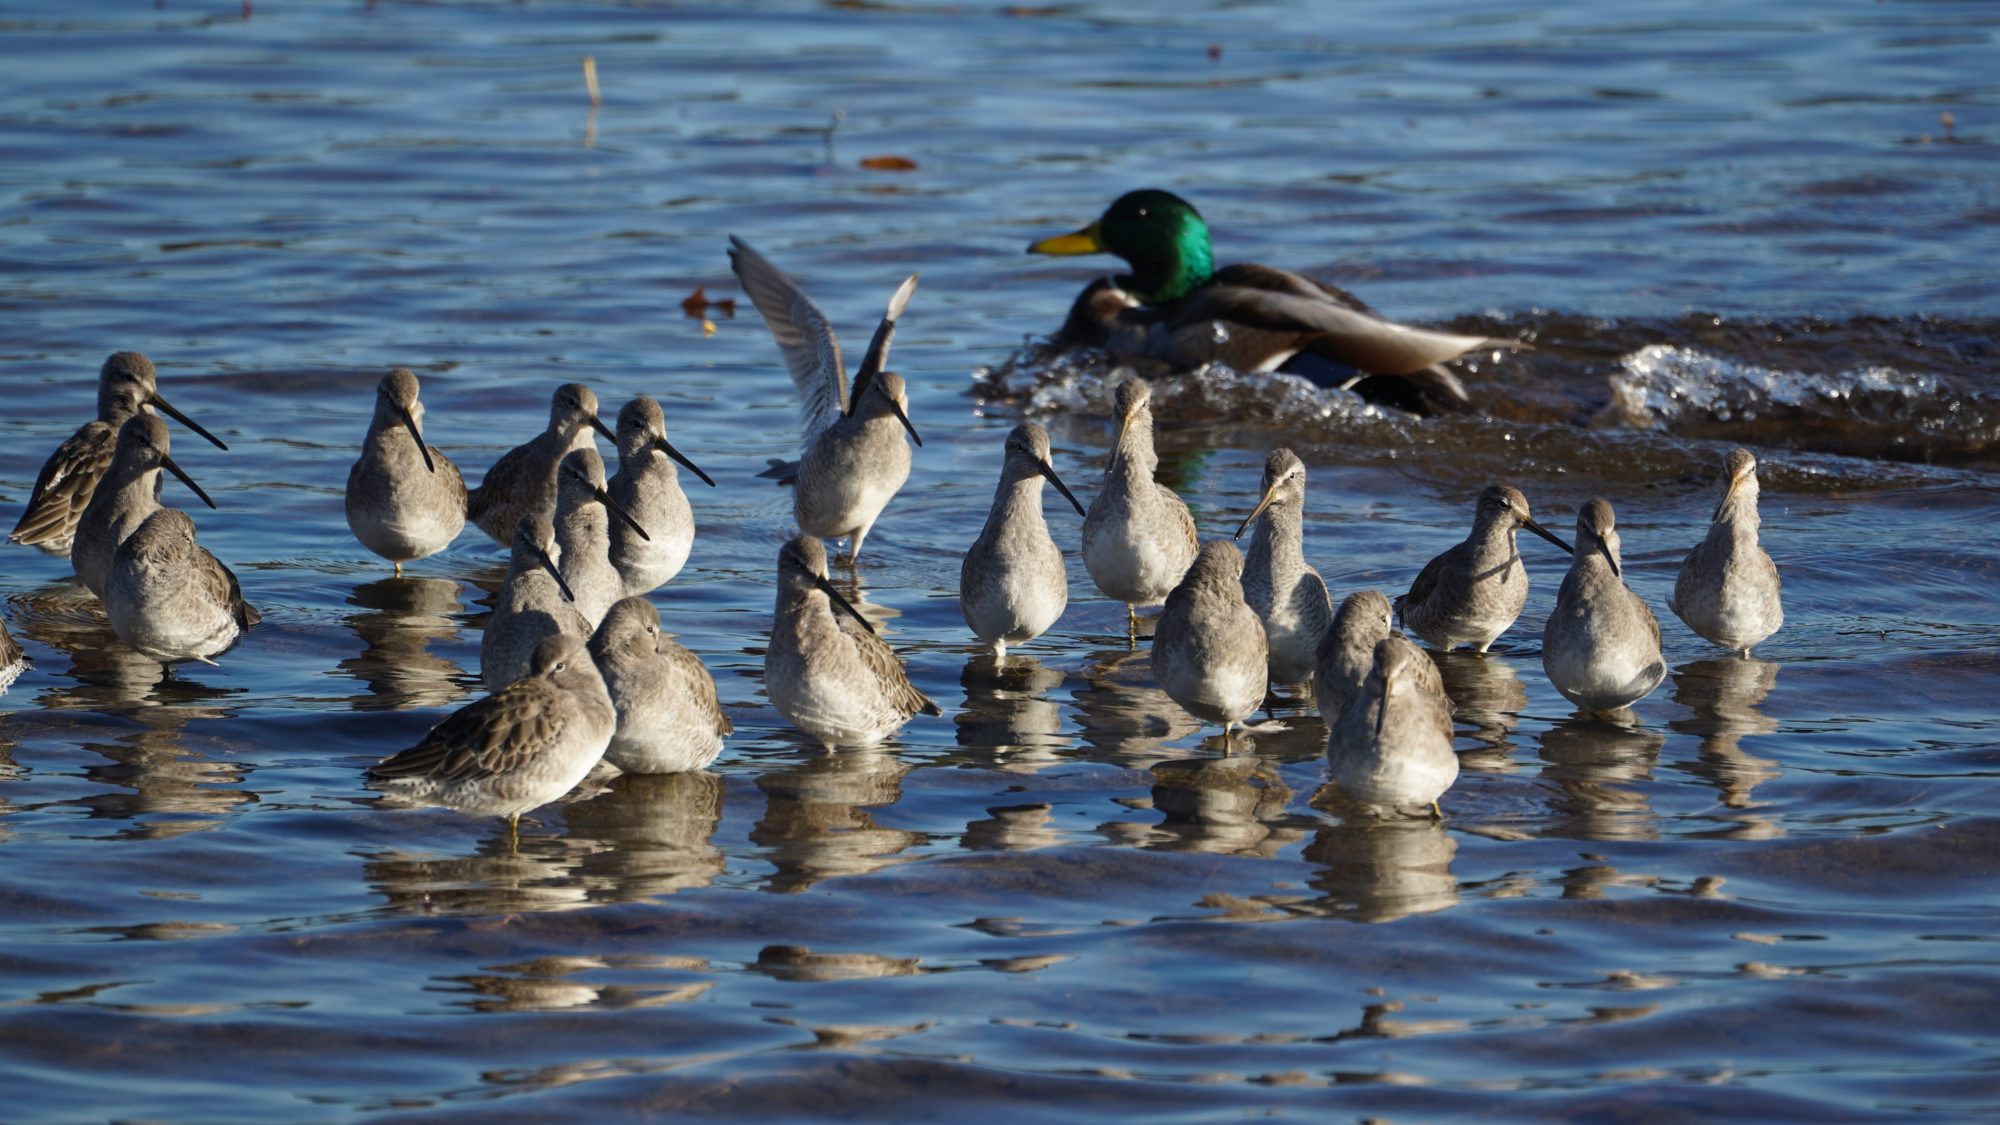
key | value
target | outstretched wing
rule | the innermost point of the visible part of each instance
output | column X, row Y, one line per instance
column 877, row 358
column 803, row 334
column 65, row 485
column 880, row 659
column 493, row 736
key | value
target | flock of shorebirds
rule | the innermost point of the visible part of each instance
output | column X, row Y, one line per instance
column 579, row 671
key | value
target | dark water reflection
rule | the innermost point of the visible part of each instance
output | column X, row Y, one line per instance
column 1764, row 895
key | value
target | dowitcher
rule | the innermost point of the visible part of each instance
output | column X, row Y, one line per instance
column 168, row 598
column 1728, row 587
column 126, row 385
column 1208, row 649
column 584, row 514
column 1138, row 537
column 519, row 748
column 1347, row 650
column 825, row 670
column 1012, row 584
column 669, row 719
column 853, row 459
column 13, row 661
column 1176, row 307
column 523, row 481
column 533, row 605
column 1471, row 593
column 127, row 495
column 1601, row 646
column 1391, row 745
column 1287, row 593
column 405, row 500
column 649, row 487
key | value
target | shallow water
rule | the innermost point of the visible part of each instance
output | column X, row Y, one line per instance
column 1766, row 897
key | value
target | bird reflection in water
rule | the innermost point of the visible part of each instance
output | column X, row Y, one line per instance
column 648, row 835
column 1012, row 828
column 1125, row 717
column 1009, row 721
column 551, row 984
column 402, row 618
column 1222, row 806
column 103, row 674
column 538, row 872
column 1487, row 698
column 1374, row 870
column 1599, row 768
column 1724, row 696
column 816, row 825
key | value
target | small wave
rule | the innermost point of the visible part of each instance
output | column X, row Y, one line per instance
column 1874, row 411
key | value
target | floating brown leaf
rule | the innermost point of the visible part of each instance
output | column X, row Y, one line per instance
column 697, row 304
column 889, row 163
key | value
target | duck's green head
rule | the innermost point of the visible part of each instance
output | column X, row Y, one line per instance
column 1159, row 234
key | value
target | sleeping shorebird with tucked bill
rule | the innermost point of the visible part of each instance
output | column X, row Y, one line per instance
column 126, row 385
column 669, row 718
column 405, row 500
column 1012, row 584
column 1138, row 537
column 1471, row 593
column 127, row 495
column 1284, row 589
column 517, row 749
column 169, row 598
column 649, row 488
column 523, row 481
column 826, row 670
column 1728, row 589
column 853, row 459
column 1601, row 646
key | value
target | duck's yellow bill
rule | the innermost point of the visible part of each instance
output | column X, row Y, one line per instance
column 1084, row 241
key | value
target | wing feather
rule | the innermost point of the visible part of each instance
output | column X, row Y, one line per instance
column 876, row 655
column 65, row 485
column 876, row 359
column 804, row 337
column 492, row 736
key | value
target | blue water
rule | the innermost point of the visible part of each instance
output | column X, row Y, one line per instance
column 1767, row 898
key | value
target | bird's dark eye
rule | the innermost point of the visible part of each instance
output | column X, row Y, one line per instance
column 561, row 664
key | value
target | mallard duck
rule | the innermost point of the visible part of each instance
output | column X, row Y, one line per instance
column 1176, row 307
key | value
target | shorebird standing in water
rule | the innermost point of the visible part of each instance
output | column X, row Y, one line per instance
column 1287, row 593
column 1347, row 651
column 1208, row 648
column 1471, row 593
column 523, row 481
column 1012, row 584
column 534, row 604
column 126, row 385
column 669, row 719
column 405, row 500
column 1138, row 537
column 1601, row 646
column 127, row 495
column 169, row 598
column 517, row 749
column 825, row 670
column 584, row 513
column 649, row 487
column 1728, row 587
column 1391, row 745
column 854, row 459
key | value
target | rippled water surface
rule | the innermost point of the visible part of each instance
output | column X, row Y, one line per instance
column 1770, row 896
